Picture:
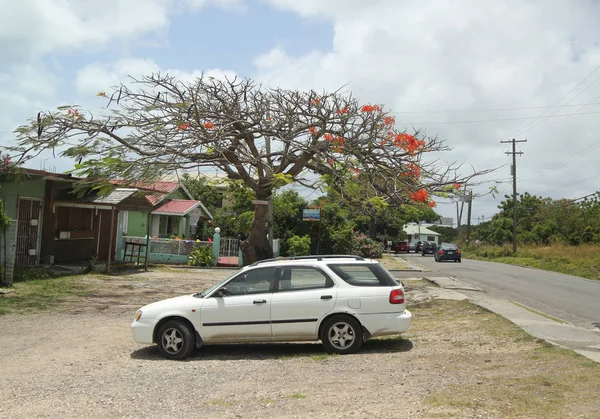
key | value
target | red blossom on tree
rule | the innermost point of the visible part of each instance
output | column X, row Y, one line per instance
column 343, row 111
column 457, row 186
column 431, row 204
column 420, row 195
column 370, row 108
column 183, row 126
column 389, row 120
column 209, row 125
column 313, row 130
column 328, row 137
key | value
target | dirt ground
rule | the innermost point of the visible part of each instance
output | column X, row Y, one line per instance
column 79, row 360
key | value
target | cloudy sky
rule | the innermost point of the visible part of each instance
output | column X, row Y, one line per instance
column 473, row 73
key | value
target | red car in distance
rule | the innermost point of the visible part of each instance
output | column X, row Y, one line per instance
column 401, row 247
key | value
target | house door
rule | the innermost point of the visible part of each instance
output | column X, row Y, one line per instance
column 28, row 228
column 104, row 239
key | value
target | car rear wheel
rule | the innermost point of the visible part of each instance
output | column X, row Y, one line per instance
column 342, row 335
column 176, row 340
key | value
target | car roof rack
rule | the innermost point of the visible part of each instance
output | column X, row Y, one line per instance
column 316, row 257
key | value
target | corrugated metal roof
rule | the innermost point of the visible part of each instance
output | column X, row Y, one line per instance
column 177, row 207
column 114, row 198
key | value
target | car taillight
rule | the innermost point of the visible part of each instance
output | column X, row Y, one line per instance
column 442, row 252
column 397, row 296
column 458, row 252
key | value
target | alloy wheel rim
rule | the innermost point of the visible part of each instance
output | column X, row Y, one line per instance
column 172, row 341
column 342, row 335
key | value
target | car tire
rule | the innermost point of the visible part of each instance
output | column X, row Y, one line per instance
column 176, row 340
column 458, row 260
column 341, row 334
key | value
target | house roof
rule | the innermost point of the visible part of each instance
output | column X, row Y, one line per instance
column 122, row 198
column 177, row 207
column 412, row 229
column 50, row 175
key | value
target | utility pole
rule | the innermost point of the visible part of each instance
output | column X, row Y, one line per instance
column 469, row 216
column 514, row 153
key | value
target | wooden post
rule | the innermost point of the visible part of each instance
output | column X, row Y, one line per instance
column 110, row 240
column 147, row 241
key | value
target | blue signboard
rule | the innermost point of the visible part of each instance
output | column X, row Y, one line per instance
column 311, row 214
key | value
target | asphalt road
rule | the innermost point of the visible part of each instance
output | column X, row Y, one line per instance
column 570, row 298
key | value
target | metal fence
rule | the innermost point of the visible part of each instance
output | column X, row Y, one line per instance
column 168, row 246
column 229, row 247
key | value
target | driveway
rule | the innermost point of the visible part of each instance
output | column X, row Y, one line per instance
column 571, row 298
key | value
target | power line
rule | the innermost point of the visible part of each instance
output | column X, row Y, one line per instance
column 488, row 110
column 514, row 154
column 476, row 121
column 559, row 100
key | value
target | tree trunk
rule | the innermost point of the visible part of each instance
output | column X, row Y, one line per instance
column 256, row 246
column 373, row 228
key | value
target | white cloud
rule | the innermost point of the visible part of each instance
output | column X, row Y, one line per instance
column 464, row 55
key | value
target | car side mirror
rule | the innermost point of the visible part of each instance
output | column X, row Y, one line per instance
column 220, row 293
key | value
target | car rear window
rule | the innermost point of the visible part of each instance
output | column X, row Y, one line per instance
column 367, row 275
column 449, row 247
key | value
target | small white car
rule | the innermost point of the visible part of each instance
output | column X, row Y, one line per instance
column 340, row 300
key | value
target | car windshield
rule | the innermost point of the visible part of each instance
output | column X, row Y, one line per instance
column 214, row 287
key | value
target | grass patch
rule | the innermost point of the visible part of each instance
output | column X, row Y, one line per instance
column 219, row 402
column 510, row 373
column 297, row 396
column 392, row 264
column 539, row 313
column 583, row 261
column 40, row 294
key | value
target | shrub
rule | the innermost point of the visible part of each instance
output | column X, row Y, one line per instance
column 298, row 246
column 201, row 256
column 366, row 247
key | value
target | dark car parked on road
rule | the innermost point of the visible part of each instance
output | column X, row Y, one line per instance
column 412, row 247
column 420, row 246
column 428, row 248
column 447, row 251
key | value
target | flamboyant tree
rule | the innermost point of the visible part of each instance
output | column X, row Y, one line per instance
column 264, row 137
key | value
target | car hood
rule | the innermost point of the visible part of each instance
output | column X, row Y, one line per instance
column 184, row 301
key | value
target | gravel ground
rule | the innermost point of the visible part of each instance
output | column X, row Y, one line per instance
column 79, row 360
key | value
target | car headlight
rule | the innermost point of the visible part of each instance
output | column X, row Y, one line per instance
column 138, row 315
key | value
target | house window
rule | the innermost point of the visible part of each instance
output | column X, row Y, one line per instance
column 168, row 225
column 430, row 238
column 219, row 203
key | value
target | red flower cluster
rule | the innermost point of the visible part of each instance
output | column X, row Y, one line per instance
column 412, row 171
column 185, row 125
column 313, row 130
column 419, row 196
column 328, row 137
column 409, row 143
column 457, row 186
column 316, row 101
column 341, row 111
column 389, row 120
column 208, row 125
column 71, row 112
column 370, row 108
column 431, row 204
column 331, row 161
column 338, row 144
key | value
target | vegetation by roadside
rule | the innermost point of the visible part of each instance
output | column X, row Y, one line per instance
column 392, row 264
column 583, row 260
column 508, row 372
column 40, row 294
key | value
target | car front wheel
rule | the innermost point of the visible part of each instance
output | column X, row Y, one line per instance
column 342, row 335
column 176, row 340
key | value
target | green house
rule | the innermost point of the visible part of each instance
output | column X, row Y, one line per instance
column 175, row 214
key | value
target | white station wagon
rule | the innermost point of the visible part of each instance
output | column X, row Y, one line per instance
column 340, row 300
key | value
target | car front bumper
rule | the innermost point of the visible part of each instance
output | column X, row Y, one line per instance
column 382, row 324
column 143, row 330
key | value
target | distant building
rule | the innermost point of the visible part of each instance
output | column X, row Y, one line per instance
column 418, row 232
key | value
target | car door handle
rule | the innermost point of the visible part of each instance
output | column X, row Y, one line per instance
column 260, row 301
column 326, row 297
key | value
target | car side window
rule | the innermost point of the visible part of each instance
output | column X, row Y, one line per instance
column 297, row 278
column 255, row 281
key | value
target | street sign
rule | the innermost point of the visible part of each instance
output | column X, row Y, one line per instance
column 311, row 214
